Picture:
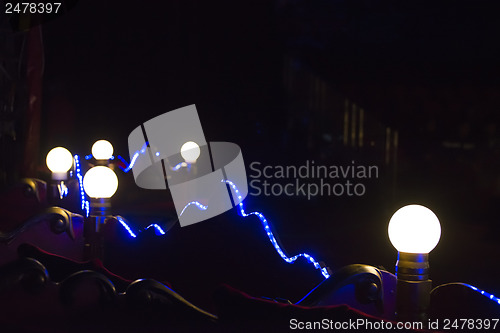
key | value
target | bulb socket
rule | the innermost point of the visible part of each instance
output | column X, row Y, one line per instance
column 100, row 207
column 93, row 237
column 412, row 266
column 102, row 162
column 413, row 287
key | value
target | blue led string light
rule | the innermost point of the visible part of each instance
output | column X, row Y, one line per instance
column 200, row 206
column 84, row 202
column 130, row 165
column 134, row 158
column 182, row 165
column 263, row 219
column 482, row 292
column 196, row 203
column 178, row 166
column 159, row 230
column 125, row 225
column 157, row 227
column 88, row 157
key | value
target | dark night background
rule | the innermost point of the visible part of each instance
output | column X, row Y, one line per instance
column 274, row 78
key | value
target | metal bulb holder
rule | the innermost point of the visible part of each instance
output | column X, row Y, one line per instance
column 100, row 207
column 93, row 239
column 414, row 231
column 413, row 287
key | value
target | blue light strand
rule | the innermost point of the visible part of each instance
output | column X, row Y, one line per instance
column 482, row 292
column 87, row 208
column 83, row 201
column 196, row 203
column 125, row 225
column 157, row 227
column 263, row 219
column 135, row 156
column 133, row 159
column 88, row 157
column 178, row 166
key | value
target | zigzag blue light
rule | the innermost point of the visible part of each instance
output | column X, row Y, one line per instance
column 134, row 158
column 482, row 292
column 157, row 227
column 263, row 219
column 324, row 271
column 132, row 233
column 126, row 226
column 83, row 201
column 196, row 203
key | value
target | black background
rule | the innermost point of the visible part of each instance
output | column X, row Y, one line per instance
column 427, row 69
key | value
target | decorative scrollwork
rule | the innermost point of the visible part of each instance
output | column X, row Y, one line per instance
column 30, row 273
column 60, row 219
column 367, row 281
column 147, row 291
column 107, row 291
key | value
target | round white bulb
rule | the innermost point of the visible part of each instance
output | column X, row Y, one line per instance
column 59, row 160
column 100, row 182
column 102, row 150
column 190, row 151
column 414, row 229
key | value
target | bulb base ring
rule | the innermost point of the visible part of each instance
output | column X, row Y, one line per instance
column 102, row 162
column 100, row 207
column 412, row 266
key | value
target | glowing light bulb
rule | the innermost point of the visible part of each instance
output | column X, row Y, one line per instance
column 100, row 182
column 190, row 151
column 102, row 150
column 414, row 229
column 59, row 160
